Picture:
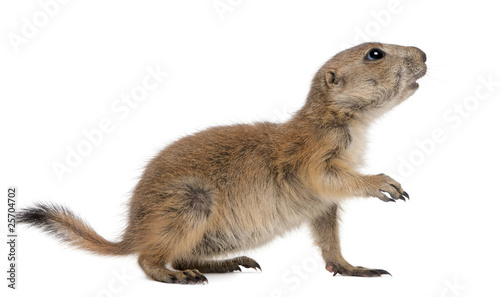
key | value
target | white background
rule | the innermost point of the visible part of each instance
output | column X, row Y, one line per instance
column 252, row 62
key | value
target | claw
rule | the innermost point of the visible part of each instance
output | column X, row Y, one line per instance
column 257, row 266
column 200, row 277
column 391, row 200
column 406, row 195
column 251, row 264
column 382, row 271
column 402, row 198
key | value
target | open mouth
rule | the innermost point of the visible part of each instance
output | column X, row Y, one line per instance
column 413, row 85
column 418, row 75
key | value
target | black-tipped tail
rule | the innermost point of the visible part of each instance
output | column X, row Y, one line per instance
column 63, row 224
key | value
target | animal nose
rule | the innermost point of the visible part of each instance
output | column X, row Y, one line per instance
column 420, row 53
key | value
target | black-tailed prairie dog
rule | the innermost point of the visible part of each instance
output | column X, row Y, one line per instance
column 232, row 188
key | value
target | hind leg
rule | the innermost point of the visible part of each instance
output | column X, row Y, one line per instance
column 217, row 266
column 173, row 228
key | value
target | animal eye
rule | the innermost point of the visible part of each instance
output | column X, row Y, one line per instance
column 375, row 54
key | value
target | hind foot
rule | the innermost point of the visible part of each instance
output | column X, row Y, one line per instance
column 188, row 276
column 218, row 266
column 158, row 272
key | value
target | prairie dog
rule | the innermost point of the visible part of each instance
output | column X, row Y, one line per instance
column 232, row 188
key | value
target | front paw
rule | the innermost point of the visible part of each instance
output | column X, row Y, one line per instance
column 387, row 189
column 349, row 270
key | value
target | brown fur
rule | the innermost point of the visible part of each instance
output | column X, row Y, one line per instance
column 233, row 188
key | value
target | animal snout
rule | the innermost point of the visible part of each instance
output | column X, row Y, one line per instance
column 419, row 53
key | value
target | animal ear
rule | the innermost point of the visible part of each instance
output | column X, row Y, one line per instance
column 331, row 78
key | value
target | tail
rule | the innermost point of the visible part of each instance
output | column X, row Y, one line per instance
column 62, row 223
